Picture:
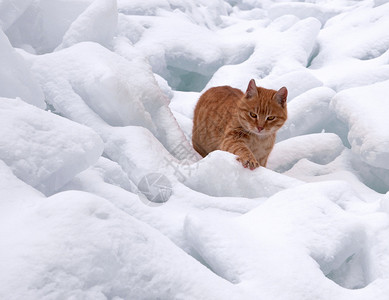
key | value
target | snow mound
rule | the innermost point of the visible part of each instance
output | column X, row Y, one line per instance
column 121, row 146
column 321, row 148
column 308, row 113
column 297, row 82
column 125, row 257
column 297, row 236
column 276, row 54
column 365, row 21
column 96, row 87
column 46, row 150
column 358, row 53
column 102, row 196
column 303, row 10
column 218, row 175
column 364, row 109
column 186, row 59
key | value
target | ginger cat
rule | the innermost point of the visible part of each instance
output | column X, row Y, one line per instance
column 244, row 124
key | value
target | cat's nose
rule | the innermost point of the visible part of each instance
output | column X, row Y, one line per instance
column 259, row 128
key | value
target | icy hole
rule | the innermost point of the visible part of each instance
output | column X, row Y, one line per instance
column 350, row 274
column 186, row 81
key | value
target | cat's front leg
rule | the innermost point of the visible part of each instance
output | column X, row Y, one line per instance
column 239, row 148
column 248, row 161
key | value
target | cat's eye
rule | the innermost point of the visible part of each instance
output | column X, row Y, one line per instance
column 253, row 115
column 271, row 118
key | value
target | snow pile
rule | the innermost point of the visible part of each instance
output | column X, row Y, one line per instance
column 96, row 87
column 299, row 233
column 96, row 108
column 366, row 116
column 96, row 242
column 44, row 150
column 220, row 168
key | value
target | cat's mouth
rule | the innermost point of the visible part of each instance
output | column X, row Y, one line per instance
column 260, row 132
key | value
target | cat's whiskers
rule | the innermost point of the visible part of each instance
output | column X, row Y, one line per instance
column 238, row 122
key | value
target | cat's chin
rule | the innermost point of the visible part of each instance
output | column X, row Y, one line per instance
column 260, row 134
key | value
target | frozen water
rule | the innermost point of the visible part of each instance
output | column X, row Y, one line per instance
column 218, row 175
column 321, row 148
column 94, row 86
column 102, row 195
column 97, row 24
column 15, row 76
column 309, row 113
column 366, row 116
column 95, row 242
column 10, row 11
column 43, row 149
column 261, row 249
column 40, row 25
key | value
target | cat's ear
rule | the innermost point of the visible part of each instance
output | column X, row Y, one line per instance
column 251, row 90
column 281, row 96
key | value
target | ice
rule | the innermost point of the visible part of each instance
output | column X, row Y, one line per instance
column 94, row 86
column 276, row 54
column 120, row 148
column 322, row 148
column 40, row 26
column 187, row 59
column 13, row 190
column 138, row 7
column 364, row 110
column 97, row 23
column 344, row 60
column 304, row 10
column 11, row 11
column 273, row 252
column 42, row 149
column 309, row 113
column 102, row 195
column 15, row 77
column 168, row 218
column 217, row 175
column 104, row 253
column 299, row 82
column 365, row 20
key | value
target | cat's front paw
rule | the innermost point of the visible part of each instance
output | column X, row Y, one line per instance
column 248, row 162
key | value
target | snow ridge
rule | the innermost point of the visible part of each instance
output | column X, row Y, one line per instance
column 96, row 108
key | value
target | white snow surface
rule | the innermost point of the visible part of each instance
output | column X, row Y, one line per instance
column 96, row 109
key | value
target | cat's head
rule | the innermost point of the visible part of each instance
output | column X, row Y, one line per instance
column 262, row 111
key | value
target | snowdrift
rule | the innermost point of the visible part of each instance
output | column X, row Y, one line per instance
column 102, row 195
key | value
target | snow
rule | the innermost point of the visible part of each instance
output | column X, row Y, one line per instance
column 299, row 234
column 57, row 148
column 40, row 25
column 321, row 148
column 89, row 26
column 368, row 134
column 102, row 195
column 213, row 177
column 15, row 77
column 309, row 113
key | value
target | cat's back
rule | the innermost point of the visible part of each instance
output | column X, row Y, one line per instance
column 216, row 101
column 220, row 96
column 215, row 108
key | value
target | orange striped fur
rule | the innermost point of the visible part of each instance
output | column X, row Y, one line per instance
column 245, row 124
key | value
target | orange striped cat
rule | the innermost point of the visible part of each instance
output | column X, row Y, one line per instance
column 244, row 124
